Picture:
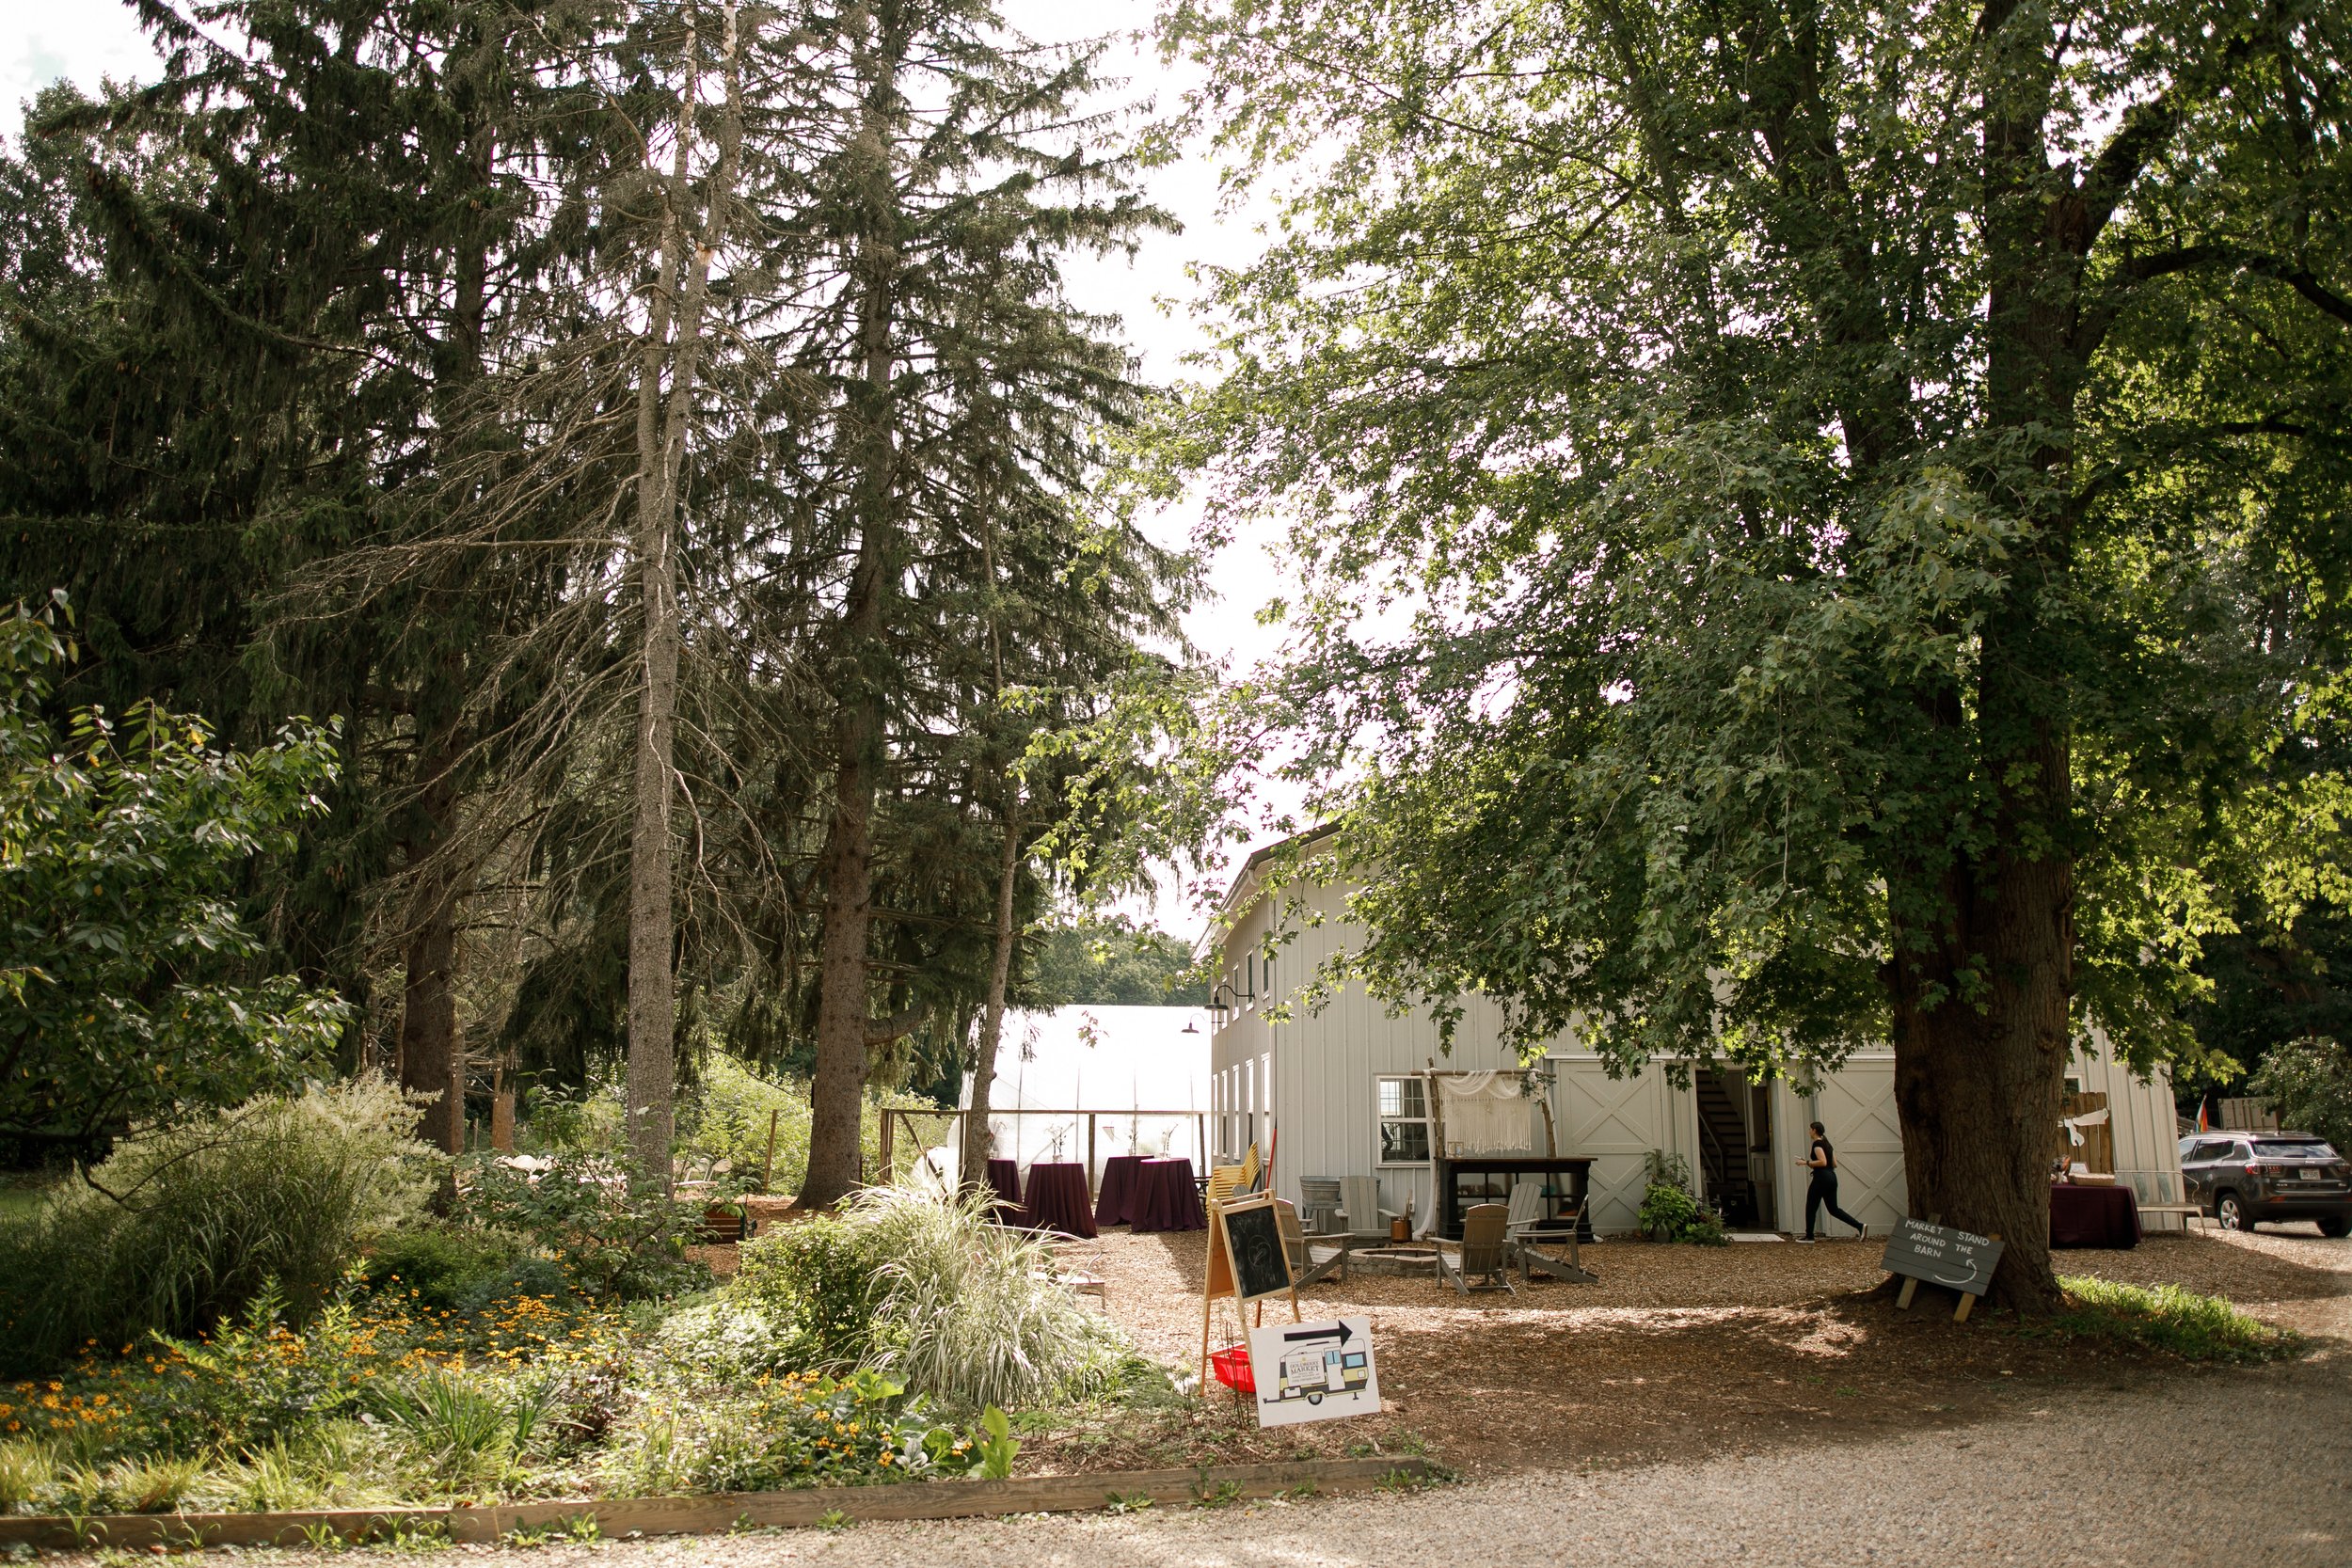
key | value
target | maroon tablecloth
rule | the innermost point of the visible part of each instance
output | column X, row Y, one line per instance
column 1165, row 1198
column 1058, row 1199
column 1114, row 1203
column 1005, row 1177
column 2094, row 1216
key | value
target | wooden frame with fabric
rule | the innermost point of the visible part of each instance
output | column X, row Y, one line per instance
column 1312, row 1258
column 1484, row 1253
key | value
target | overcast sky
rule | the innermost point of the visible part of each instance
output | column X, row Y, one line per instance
column 87, row 40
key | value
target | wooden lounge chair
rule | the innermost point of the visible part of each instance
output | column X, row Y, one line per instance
column 1484, row 1253
column 1249, row 1168
column 1539, row 1248
column 1360, row 1207
column 1527, row 1208
column 1318, row 1203
column 1310, row 1258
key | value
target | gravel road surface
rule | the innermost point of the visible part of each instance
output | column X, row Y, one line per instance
column 2243, row 1470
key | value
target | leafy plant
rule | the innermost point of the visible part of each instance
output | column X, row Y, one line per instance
column 119, row 945
column 2309, row 1081
column 997, row 1447
column 616, row 1235
column 1669, row 1212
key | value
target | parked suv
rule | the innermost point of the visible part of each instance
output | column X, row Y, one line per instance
column 2243, row 1178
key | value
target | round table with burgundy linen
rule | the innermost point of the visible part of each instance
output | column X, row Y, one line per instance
column 1115, row 1201
column 1004, row 1176
column 1056, row 1199
column 1166, row 1198
column 2094, row 1216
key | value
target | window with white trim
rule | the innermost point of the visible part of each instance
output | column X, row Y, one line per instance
column 1403, row 1106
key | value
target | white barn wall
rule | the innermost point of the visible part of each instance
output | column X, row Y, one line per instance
column 1320, row 1091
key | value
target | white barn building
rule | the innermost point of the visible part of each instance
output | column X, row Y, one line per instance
column 1338, row 1090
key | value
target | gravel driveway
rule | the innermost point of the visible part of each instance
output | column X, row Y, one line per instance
column 2075, row 1477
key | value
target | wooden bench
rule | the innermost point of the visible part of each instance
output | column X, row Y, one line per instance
column 2187, row 1211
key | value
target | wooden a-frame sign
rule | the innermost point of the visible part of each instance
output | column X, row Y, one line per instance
column 1246, row 1261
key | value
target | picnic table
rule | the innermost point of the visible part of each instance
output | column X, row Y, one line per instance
column 1056, row 1198
column 1114, row 1203
column 1165, row 1198
column 2084, row 1216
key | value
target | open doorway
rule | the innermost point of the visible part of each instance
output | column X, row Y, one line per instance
column 1735, row 1147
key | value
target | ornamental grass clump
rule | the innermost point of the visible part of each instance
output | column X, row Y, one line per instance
column 930, row 1293
column 185, row 1227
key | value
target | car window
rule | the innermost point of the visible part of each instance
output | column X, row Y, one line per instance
column 2298, row 1149
column 2205, row 1153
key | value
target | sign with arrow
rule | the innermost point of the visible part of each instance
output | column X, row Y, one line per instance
column 1317, row 1371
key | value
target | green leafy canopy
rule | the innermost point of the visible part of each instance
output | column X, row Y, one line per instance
column 126, row 996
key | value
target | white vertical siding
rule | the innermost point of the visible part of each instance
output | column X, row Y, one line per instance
column 1312, row 1081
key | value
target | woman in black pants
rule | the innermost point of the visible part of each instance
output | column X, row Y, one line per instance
column 1822, row 1192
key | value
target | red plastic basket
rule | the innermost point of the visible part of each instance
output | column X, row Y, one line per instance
column 1231, row 1367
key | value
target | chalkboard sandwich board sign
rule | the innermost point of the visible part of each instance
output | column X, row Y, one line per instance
column 1957, row 1260
column 1248, row 1261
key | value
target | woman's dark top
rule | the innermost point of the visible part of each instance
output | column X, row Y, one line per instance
column 1828, row 1155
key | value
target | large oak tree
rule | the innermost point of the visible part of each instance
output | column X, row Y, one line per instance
column 1818, row 522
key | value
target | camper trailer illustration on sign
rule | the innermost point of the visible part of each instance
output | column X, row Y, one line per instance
column 1314, row 1371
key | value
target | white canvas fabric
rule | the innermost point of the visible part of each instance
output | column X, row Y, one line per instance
column 1486, row 1113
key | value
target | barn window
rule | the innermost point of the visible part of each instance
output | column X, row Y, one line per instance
column 1403, row 1120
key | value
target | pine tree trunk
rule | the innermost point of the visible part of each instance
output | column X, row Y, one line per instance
column 429, row 1064
column 837, row 1088
column 672, row 344
column 971, row 1163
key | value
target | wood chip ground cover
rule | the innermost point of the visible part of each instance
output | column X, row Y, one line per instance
column 1679, row 1352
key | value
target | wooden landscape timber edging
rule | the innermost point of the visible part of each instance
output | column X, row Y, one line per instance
column 625, row 1517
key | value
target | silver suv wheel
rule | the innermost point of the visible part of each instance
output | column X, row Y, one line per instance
column 2232, row 1213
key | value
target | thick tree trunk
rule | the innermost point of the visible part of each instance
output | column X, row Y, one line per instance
column 1982, row 1000
column 971, row 1163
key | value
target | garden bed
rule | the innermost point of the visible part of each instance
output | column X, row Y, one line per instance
column 591, row 1517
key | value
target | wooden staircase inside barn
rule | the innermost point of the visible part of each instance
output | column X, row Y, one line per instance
column 1724, row 1151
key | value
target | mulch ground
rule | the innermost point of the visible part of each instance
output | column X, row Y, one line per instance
column 1679, row 1352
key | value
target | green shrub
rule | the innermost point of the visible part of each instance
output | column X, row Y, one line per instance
column 2170, row 1319
column 1669, row 1211
column 183, row 1228
column 462, row 1268
column 615, row 1236
column 928, row 1291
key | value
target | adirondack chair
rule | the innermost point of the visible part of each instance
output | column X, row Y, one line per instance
column 1360, row 1207
column 1311, row 1260
column 1538, row 1242
column 1527, row 1208
column 1484, row 1253
column 1318, row 1203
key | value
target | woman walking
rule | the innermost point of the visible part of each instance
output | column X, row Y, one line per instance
column 1822, row 1192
